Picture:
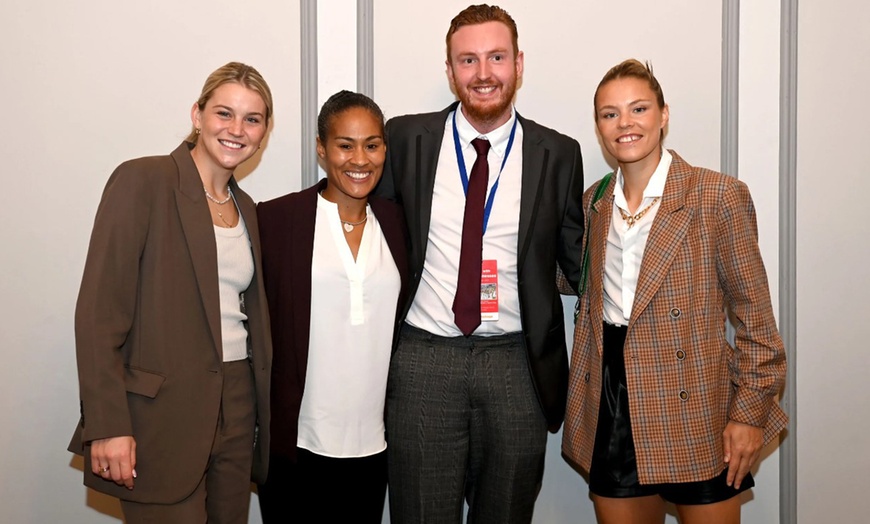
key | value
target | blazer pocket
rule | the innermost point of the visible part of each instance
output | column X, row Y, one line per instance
column 141, row 382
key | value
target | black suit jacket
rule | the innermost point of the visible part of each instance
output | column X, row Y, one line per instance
column 287, row 240
column 550, row 231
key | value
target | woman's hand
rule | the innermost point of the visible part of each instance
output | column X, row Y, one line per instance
column 115, row 459
column 742, row 444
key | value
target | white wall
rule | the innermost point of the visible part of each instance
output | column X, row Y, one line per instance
column 86, row 85
column 832, row 271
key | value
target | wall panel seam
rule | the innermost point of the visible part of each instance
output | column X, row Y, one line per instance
column 730, row 86
column 308, row 91
column 788, row 252
column 365, row 47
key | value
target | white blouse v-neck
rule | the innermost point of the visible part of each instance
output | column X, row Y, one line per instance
column 353, row 308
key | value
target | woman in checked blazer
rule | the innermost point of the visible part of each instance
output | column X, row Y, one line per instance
column 660, row 406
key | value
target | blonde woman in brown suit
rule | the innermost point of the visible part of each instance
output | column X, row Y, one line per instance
column 172, row 339
column 660, row 406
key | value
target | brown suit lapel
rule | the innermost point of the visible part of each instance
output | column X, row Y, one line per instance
column 197, row 225
column 249, row 213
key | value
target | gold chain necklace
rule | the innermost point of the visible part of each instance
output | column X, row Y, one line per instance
column 220, row 203
column 632, row 219
column 224, row 220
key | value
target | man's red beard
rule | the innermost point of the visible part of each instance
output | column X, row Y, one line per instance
column 489, row 112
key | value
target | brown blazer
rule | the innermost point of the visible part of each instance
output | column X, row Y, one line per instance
column 685, row 381
column 147, row 324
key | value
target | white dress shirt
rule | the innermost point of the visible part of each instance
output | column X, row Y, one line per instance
column 353, row 309
column 625, row 246
column 432, row 309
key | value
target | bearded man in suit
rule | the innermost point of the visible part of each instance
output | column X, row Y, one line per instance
column 476, row 381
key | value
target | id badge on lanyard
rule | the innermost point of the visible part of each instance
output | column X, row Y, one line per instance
column 489, row 291
column 489, row 268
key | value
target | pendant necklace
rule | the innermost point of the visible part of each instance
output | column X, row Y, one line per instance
column 348, row 226
column 220, row 203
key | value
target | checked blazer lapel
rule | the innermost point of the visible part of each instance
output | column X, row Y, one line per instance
column 199, row 234
column 599, row 224
column 667, row 233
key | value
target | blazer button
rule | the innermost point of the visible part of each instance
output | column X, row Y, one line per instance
column 586, row 377
column 684, row 395
column 676, row 313
column 680, row 354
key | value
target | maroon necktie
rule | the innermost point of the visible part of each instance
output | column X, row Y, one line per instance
column 466, row 304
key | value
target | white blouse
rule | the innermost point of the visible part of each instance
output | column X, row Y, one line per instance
column 625, row 246
column 353, row 310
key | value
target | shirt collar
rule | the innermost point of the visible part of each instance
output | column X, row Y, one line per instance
column 654, row 188
column 498, row 137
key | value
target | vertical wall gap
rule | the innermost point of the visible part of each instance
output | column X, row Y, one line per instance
column 365, row 47
column 308, row 91
column 730, row 86
column 728, row 152
column 788, row 252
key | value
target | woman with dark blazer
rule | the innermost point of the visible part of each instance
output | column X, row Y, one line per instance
column 335, row 269
column 660, row 406
column 172, row 341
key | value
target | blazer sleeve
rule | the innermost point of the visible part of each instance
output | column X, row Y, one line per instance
column 758, row 363
column 571, row 232
column 106, row 303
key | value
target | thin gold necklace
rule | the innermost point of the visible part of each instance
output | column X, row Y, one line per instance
column 224, row 220
column 220, row 203
column 632, row 219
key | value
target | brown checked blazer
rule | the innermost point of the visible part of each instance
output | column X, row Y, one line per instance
column 148, row 334
column 685, row 381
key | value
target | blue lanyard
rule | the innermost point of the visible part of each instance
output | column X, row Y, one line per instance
column 463, row 173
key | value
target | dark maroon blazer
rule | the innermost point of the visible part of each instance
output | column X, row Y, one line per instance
column 287, row 240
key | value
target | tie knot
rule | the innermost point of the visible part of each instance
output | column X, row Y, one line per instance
column 481, row 145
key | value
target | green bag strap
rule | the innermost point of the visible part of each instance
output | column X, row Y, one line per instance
column 584, row 266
